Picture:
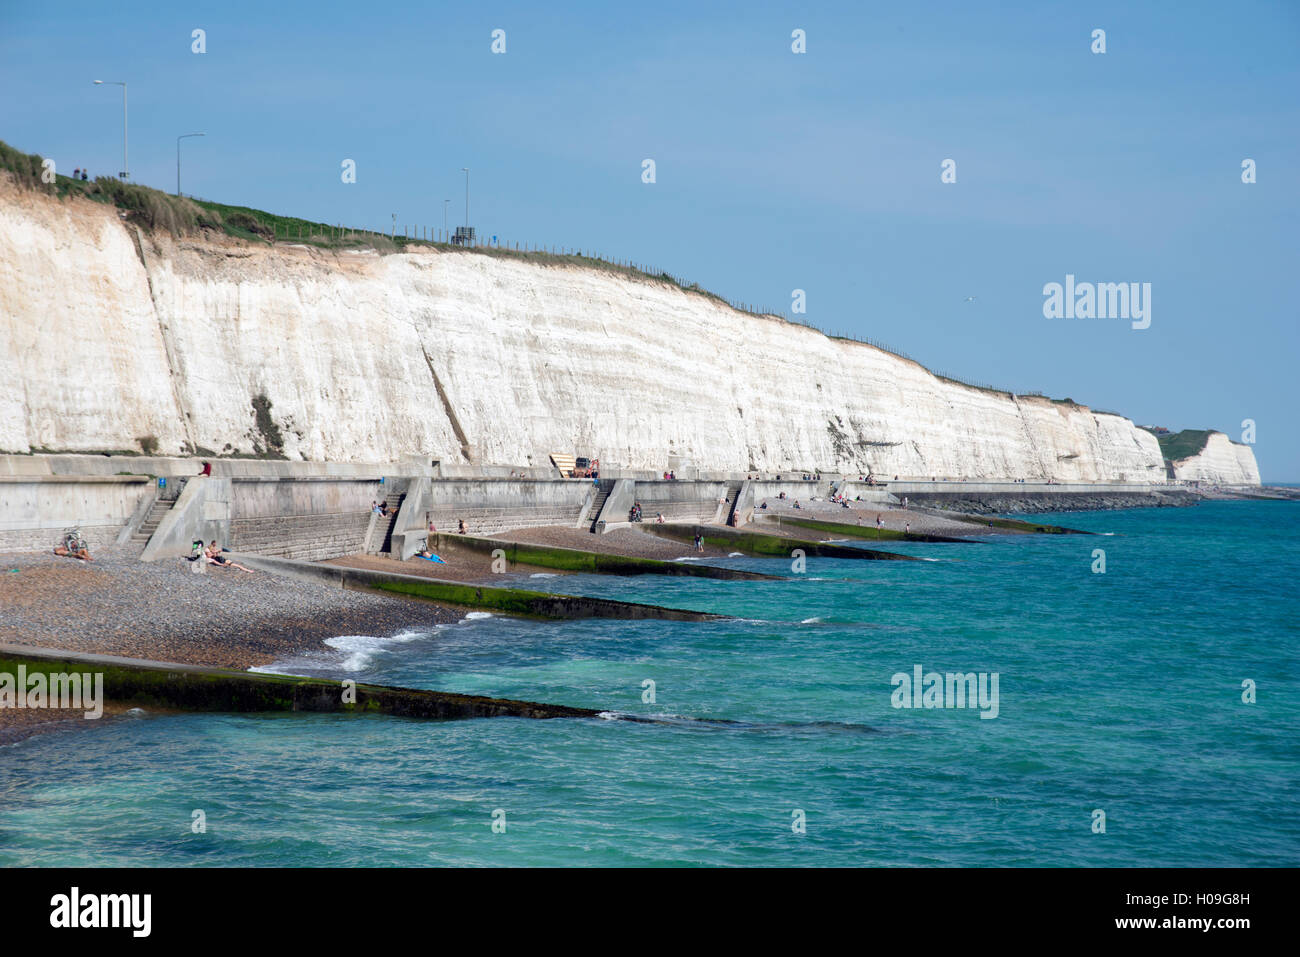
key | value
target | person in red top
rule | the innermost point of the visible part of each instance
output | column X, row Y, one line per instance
column 207, row 469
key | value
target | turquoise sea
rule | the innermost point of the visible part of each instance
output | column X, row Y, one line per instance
column 1118, row 692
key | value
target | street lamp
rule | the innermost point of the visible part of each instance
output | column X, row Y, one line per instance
column 465, row 170
column 126, row 170
column 178, row 158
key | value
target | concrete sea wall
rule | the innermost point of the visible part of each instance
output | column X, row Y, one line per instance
column 34, row 512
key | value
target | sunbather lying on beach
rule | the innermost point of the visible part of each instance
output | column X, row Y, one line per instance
column 216, row 558
column 82, row 553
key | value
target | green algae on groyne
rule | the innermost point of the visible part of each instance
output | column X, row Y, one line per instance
column 180, row 687
column 860, row 531
column 596, row 563
column 507, row 601
column 767, row 546
column 1013, row 524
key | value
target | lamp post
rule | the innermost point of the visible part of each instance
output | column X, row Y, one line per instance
column 444, row 214
column 126, row 169
column 178, row 158
column 465, row 170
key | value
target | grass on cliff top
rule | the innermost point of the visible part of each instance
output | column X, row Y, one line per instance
column 181, row 216
column 1180, row 445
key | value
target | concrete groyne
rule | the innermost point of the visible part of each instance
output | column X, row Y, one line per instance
column 508, row 601
column 576, row 560
column 767, row 546
column 180, row 687
column 865, row 532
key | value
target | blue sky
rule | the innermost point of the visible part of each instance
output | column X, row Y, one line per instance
column 775, row 171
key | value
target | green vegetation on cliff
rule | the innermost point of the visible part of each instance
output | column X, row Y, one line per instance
column 1181, row 445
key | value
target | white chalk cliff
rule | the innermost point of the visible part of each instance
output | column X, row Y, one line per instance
column 1221, row 462
column 109, row 334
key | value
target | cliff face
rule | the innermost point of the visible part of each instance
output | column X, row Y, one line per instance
column 108, row 335
column 1221, row 462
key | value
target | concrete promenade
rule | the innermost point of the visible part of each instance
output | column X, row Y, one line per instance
column 315, row 511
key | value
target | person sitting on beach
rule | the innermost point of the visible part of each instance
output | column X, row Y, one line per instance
column 216, row 558
column 660, row 519
column 76, row 551
column 460, row 526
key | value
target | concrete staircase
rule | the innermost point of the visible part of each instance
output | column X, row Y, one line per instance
column 598, row 501
column 392, row 504
column 729, row 507
column 157, row 512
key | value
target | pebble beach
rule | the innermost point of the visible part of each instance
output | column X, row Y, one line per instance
column 117, row 605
